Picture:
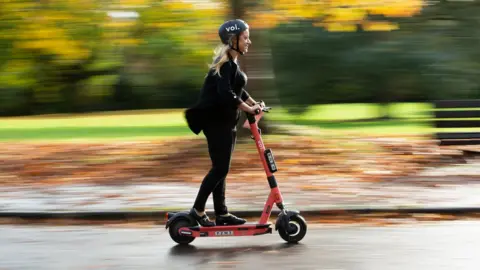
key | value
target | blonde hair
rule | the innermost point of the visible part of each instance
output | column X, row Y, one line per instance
column 220, row 57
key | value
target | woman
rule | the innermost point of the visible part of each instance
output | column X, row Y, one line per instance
column 217, row 113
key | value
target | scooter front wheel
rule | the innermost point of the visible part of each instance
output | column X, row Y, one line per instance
column 295, row 230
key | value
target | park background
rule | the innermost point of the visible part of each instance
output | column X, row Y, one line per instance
column 93, row 92
column 319, row 63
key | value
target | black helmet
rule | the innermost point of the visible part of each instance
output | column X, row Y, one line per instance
column 232, row 28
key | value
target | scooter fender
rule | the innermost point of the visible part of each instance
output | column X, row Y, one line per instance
column 283, row 218
column 173, row 216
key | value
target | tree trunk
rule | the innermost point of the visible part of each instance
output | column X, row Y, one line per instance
column 257, row 65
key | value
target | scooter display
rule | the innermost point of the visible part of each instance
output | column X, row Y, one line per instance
column 290, row 225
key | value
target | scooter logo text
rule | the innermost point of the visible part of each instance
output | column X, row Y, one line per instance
column 232, row 28
column 260, row 144
column 224, row 233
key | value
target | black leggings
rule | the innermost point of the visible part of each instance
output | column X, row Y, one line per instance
column 221, row 143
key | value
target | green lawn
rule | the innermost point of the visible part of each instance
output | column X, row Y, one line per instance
column 409, row 118
column 107, row 125
column 350, row 112
column 170, row 123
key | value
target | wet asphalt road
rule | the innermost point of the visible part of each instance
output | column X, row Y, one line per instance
column 424, row 246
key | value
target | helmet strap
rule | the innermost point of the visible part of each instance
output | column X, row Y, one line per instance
column 236, row 49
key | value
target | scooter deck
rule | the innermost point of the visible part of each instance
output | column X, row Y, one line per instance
column 229, row 230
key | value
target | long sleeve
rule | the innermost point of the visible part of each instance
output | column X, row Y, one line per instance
column 224, row 88
column 245, row 95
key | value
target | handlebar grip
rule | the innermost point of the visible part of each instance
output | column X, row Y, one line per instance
column 257, row 111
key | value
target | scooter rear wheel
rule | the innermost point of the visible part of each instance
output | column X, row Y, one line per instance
column 178, row 238
column 295, row 230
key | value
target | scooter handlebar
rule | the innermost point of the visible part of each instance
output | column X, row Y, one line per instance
column 264, row 109
column 251, row 117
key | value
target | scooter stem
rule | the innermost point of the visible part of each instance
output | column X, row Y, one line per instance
column 269, row 166
column 258, row 142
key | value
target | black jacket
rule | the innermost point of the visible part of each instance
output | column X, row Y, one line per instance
column 219, row 98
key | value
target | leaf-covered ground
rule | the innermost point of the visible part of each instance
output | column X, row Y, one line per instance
column 186, row 160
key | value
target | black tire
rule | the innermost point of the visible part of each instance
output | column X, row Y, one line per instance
column 298, row 229
column 173, row 230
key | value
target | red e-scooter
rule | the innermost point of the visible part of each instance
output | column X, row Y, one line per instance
column 291, row 226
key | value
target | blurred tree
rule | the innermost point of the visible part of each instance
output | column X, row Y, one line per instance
column 64, row 56
column 55, row 46
column 253, row 64
column 168, row 66
column 343, row 25
column 257, row 63
column 339, row 15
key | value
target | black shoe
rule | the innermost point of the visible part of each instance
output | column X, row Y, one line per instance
column 229, row 220
column 202, row 220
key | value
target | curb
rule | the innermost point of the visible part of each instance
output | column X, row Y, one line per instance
column 160, row 216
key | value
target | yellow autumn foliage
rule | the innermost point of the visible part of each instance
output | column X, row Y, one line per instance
column 168, row 25
column 336, row 15
column 119, row 24
column 404, row 8
column 76, row 5
column 14, row 71
column 35, row 30
column 264, row 20
column 379, row 26
column 345, row 15
column 134, row 2
column 178, row 5
column 17, row 5
column 128, row 41
column 339, row 27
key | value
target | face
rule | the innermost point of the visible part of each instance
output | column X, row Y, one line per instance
column 244, row 41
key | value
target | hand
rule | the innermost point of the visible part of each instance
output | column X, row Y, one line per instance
column 255, row 109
